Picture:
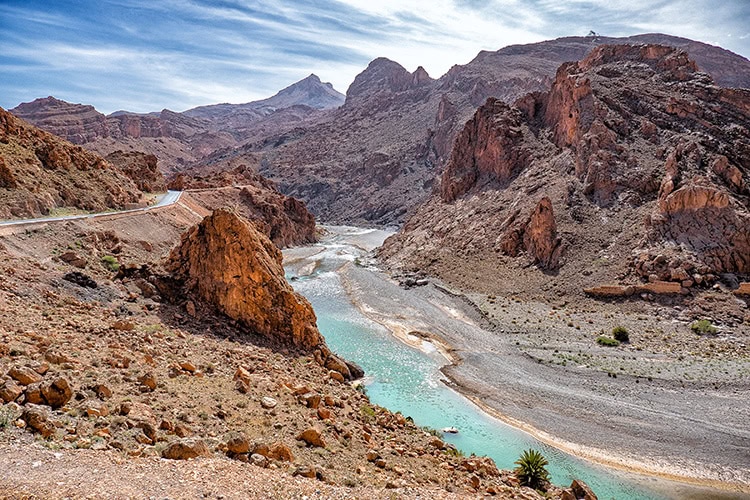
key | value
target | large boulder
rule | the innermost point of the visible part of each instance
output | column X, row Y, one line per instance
column 226, row 262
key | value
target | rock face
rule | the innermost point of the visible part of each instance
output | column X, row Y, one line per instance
column 140, row 168
column 629, row 134
column 285, row 220
column 40, row 172
column 226, row 262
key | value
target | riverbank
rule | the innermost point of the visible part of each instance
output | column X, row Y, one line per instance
column 660, row 427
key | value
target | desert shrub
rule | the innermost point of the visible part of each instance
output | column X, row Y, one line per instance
column 531, row 470
column 110, row 263
column 620, row 333
column 607, row 341
column 703, row 327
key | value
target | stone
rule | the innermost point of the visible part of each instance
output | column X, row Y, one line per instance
column 10, row 390
column 97, row 409
column 36, row 418
column 744, row 289
column 56, row 392
column 437, row 443
column 280, row 451
column 258, row 460
column 305, row 471
column 123, row 325
column 33, row 394
column 325, row 413
column 148, row 381
column 237, row 443
column 311, row 399
column 268, row 402
column 73, row 259
column 24, row 375
column 337, row 376
column 184, row 449
column 313, row 437
column 190, row 308
column 102, row 391
column 138, row 412
column 182, row 430
column 188, row 367
column 582, row 491
column 148, row 429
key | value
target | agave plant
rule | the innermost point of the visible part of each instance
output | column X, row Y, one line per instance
column 531, row 469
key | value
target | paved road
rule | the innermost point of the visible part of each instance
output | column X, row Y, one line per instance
column 170, row 198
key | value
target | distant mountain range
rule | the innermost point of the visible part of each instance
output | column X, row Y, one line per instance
column 369, row 158
column 179, row 139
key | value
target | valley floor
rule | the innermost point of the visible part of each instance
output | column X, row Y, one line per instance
column 678, row 413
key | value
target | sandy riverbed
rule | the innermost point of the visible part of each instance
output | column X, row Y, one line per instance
column 695, row 432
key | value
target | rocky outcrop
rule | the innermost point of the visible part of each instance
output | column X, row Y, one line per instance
column 285, row 220
column 140, row 168
column 628, row 134
column 493, row 147
column 227, row 263
column 40, row 172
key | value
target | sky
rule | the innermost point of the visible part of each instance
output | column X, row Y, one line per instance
column 147, row 55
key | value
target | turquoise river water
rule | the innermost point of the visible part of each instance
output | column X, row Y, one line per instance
column 402, row 378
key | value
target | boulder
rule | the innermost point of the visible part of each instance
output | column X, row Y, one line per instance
column 229, row 264
column 184, row 449
column 313, row 437
column 36, row 419
column 237, row 443
column 56, row 392
column 280, row 451
column 10, row 390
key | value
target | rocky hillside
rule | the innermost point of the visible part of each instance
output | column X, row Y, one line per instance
column 218, row 361
column 283, row 219
column 141, row 168
column 377, row 157
column 631, row 169
column 177, row 140
column 40, row 172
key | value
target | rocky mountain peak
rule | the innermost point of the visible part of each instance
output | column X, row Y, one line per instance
column 384, row 75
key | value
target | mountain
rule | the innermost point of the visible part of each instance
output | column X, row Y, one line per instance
column 377, row 157
column 309, row 92
column 179, row 140
column 630, row 170
column 40, row 172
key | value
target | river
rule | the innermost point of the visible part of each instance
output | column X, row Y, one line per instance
column 407, row 378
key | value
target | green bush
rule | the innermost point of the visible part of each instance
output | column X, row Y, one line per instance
column 531, row 470
column 110, row 263
column 621, row 334
column 703, row 327
column 607, row 341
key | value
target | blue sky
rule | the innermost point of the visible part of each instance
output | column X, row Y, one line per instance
column 146, row 55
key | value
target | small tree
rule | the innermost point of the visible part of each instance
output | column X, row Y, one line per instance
column 531, row 470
